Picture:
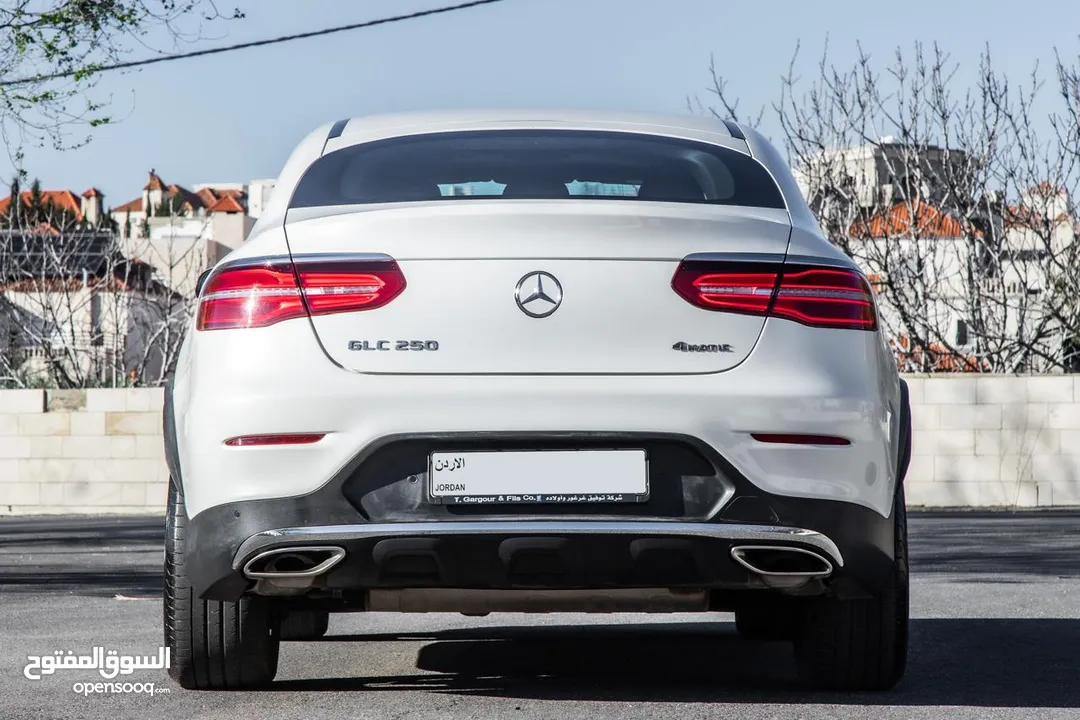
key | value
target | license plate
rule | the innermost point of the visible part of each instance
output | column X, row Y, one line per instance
column 538, row 476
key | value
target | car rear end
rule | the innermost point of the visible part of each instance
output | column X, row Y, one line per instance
column 501, row 368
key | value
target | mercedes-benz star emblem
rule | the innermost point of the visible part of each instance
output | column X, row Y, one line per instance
column 538, row 294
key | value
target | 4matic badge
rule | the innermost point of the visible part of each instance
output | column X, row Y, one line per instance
column 688, row 347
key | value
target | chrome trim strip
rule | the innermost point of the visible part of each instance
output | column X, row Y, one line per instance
column 339, row 257
column 735, row 257
column 719, row 531
column 772, row 258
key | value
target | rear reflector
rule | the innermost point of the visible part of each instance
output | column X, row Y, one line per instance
column 251, row 296
column 812, row 295
column 290, row 439
column 792, row 439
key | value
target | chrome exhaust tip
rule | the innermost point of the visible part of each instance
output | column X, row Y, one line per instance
column 292, row 569
column 780, row 562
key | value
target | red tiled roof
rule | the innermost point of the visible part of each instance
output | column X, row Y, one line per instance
column 1022, row 216
column 207, row 196
column 227, row 204
column 210, row 199
column 934, row 358
column 59, row 199
column 93, row 192
column 909, row 219
column 130, row 206
column 190, row 199
column 211, row 195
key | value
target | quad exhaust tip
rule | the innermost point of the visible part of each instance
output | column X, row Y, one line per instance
column 772, row 561
column 293, row 563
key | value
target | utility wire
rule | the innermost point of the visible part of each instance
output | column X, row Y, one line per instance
column 254, row 43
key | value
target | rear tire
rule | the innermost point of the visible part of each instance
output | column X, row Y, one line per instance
column 214, row 645
column 860, row 644
column 305, row 625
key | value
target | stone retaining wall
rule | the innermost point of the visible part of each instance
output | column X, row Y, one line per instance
column 995, row 441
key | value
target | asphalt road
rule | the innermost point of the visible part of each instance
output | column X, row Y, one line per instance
column 996, row 633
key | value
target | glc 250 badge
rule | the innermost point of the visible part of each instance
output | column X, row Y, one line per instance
column 687, row 347
column 386, row 345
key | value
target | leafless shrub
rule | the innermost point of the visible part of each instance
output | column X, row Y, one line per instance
column 84, row 305
column 957, row 200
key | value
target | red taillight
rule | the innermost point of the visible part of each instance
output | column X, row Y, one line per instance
column 746, row 289
column 345, row 286
column 252, row 296
column 825, row 297
column 808, row 294
column 793, row 439
column 287, row 439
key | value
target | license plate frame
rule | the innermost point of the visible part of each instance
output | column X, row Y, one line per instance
column 500, row 466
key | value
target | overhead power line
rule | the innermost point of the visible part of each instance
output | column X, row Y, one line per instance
column 255, row 43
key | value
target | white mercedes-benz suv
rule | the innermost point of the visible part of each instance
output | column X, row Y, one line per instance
column 536, row 362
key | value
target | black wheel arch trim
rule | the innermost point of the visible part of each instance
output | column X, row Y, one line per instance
column 905, row 432
column 168, row 431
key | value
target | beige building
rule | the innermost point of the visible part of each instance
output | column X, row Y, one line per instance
column 95, row 314
column 954, row 285
column 877, row 174
column 74, row 313
column 181, row 232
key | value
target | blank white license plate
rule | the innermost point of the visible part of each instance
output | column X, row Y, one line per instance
column 539, row 476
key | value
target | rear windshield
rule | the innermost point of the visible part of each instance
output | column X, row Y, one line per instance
column 536, row 165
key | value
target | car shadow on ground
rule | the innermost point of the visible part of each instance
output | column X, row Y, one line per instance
column 958, row 662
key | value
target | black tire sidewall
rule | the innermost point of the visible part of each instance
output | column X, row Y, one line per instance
column 213, row 644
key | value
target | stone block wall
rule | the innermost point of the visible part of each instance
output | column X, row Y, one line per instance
column 994, row 441
column 81, row 451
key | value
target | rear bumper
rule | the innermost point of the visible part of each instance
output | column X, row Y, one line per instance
column 546, row 555
column 496, row 552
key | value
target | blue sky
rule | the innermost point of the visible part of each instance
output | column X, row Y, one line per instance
column 236, row 116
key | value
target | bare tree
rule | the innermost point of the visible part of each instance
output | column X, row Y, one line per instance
column 84, row 306
column 957, row 199
column 176, row 247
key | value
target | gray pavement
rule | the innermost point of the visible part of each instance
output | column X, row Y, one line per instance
column 996, row 633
